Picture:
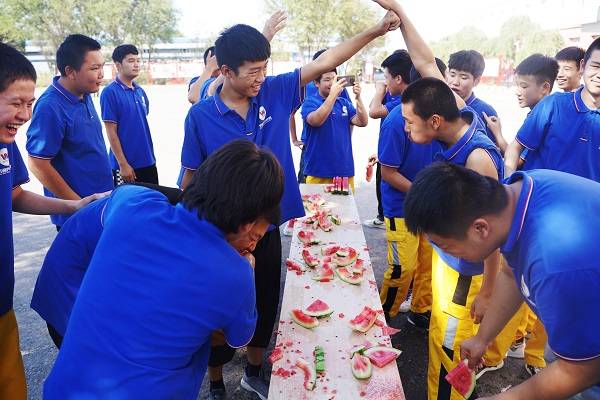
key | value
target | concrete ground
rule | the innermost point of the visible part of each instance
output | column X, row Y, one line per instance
column 168, row 105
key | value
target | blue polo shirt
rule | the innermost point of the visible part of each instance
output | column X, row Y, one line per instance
column 143, row 318
column 565, row 134
column 481, row 107
column 67, row 131
column 128, row 108
column 389, row 102
column 66, row 263
column 328, row 148
column 312, row 91
column 396, row 150
column 210, row 124
column 552, row 248
column 474, row 138
column 12, row 174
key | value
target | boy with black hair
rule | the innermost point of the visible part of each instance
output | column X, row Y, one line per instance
column 253, row 106
column 17, row 94
column 542, row 223
column 159, row 343
column 125, row 108
column 562, row 131
column 465, row 68
column 64, row 140
column 569, row 68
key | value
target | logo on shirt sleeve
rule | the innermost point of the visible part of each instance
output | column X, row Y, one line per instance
column 4, row 161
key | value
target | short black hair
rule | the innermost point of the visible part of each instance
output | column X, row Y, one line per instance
column 444, row 199
column 236, row 185
column 72, row 52
column 542, row 67
column 572, row 53
column 315, row 56
column 239, row 44
column 14, row 66
column 431, row 96
column 122, row 51
column 470, row 61
column 588, row 53
column 414, row 74
column 207, row 52
column 398, row 63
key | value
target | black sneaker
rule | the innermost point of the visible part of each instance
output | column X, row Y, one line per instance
column 419, row 320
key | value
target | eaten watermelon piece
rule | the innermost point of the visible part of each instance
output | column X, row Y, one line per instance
column 364, row 321
column 324, row 273
column 292, row 265
column 318, row 309
column 330, row 250
column 389, row 331
column 462, row 379
column 329, row 188
column 309, row 259
column 381, row 356
column 358, row 267
column 308, row 238
column 310, row 375
column 276, row 355
column 349, row 277
column 305, row 321
column 345, row 256
column 324, row 223
column 361, row 366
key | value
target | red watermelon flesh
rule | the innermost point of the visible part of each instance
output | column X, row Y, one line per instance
column 318, row 309
column 330, row 250
column 381, row 356
column 462, row 379
column 345, row 256
column 364, row 321
column 324, row 273
column 324, row 223
column 358, row 267
column 292, row 265
column 310, row 375
column 361, row 366
column 348, row 276
column 276, row 355
column 309, row 259
column 305, row 321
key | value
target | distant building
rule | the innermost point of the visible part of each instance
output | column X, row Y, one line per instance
column 583, row 35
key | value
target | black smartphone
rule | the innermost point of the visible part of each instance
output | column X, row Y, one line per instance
column 350, row 79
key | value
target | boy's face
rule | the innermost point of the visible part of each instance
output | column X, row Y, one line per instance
column 419, row 130
column 15, row 108
column 246, row 238
column 130, row 66
column 392, row 83
column 89, row 77
column 569, row 75
column 528, row 91
column 249, row 78
column 591, row 74
column 324, row 85
column 461, row 82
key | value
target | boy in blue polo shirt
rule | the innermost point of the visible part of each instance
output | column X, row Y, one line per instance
column 125, row 108
column 544, row 223
column 17, row 94
column 569, row 68
column 328, row 120
column 158, row 344
column 64, row 140
column 563, row 130
column 255, row 107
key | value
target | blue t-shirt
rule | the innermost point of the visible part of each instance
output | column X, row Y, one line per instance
column 66, row 263
column 389, row 102
column 328, row 148
column 210, row 124
column 481, row 107
column 565, row 134
column 67, row 131
column 553, row 250
column 396, row 150
column 474, row 138
column 12, row 174
column 312, row 91
column 143, row 318
column 128, row 108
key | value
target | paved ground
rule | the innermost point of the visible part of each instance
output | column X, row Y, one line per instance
column 33, row 235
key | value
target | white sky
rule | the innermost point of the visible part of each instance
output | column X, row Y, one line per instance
column 434, row 18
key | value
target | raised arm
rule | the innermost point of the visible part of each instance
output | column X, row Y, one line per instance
column 361, row 118
column 376, row 108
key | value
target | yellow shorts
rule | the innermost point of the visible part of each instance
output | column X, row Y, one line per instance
column 12, row 373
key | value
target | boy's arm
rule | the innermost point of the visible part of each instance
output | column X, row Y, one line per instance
column 293, row 134
column 320, row 115
column 341, row 53
column 395, row 178
column 51, row 179
column 493, row 124
column 27, row 202
column 126, row 171
column 361, row 118
column 512, row 157
column 210, row 68
column 377, row 109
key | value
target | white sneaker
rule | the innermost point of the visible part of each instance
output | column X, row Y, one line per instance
column 489, row 368
column 517, row 349
column 374, row 223
column 531, row 370
column 405, row 306
column 288, row 229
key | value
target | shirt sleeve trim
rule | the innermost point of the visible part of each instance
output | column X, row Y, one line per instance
column 388, row 165
column 20, row 183
column 40, row 156
column 188, row 168
column 524, row 145
column 109, row 120
column 244, row 345
column 576, row 359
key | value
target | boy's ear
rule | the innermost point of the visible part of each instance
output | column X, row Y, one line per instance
column 226, row 71
column 546, row 88
column 476, row 81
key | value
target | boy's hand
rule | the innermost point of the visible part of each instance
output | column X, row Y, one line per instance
column 479, row 307
column 473, row 350
column 211, row 63
column 79, row 204
column 299, row 144
column 336, row 88
column 493, row 123
column 380, row 87
column 389, row 22
column 356, row 89
column 274, row 24
column 387, row 4
column 127, row 172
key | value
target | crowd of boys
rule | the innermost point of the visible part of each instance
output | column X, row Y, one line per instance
column 494, row 266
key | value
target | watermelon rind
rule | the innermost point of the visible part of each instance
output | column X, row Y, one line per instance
column 330, row 250
column 310, row 375
column 366, row 324
column 309, row 259
column 349, row 277
column 305, row 321
column 361, row 367
column 462, row 379
column 317, row 310
column 373, row 353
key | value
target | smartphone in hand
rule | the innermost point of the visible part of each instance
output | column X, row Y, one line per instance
column 350, row 80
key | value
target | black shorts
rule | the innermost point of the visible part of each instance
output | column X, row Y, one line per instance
column 267, row 276
column 145, row 175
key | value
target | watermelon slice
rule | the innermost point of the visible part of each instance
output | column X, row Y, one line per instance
column 389, row 331
column 349, row 277
column 305, row 321
column 330, row 250
column 276, row 355
column 345, row 256
column 309, row 259
column 308, row 238
column 292, row 265
column 345, row 185
column 324, row 223
column 359, row 348
column 381, row 356
column 310, row 375
column 319, row 354
column 318, row 309
column 364, row 321
column 328, row 188
column 462, row 379
column 324, row 273
column 334, row 218
column 358, row 267
column 361, row 366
